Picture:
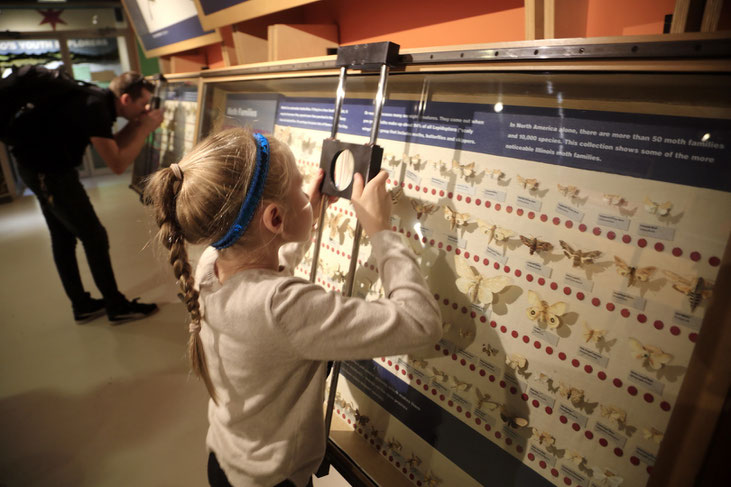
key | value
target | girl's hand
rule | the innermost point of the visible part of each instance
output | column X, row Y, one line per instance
column 372, row 204
column 313, row 192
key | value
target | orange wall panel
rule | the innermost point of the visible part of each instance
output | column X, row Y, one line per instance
column 598, row 18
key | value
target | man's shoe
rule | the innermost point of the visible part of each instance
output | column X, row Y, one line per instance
column 92, row 308
column 129, row 310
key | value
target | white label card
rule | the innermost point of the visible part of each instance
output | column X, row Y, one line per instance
column 461, row 401
column 494, row 194
column 538, row 268
column 512, row 380
column 530, row 203
column 489, row 367
column 395, row 221
column 570, row 212
column 573, row 415
column 549, row 459
column 425, row 231
column 630, row 300
column 466, row 355
column 686, row 320
column 479, row 309
column 439, row 387
column 610, row 434
column 645, row 456
column 618, row 222
column 645, row 381
column 542, row 398
column 656, row 231
column 513, row 434
column 465, row 189
column 496, row 255
column 577, row 281
column 568, row 472
column 593, row 356
column 457, row 242
column 484, row 417
column 413, row 177
column 439, row 183
column 545, row 335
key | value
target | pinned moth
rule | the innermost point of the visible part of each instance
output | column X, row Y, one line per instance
column 659, row 209
column 495, row 174
column 478, row 288
column 460, row 386
column 455, row 219
column 484, row 399
column 568, row 191
column 543, row 438
column 337, row 224
column 422, row 208
column 575, row 457
column 464, row 333
column 697, row 289
column 512, row 420
column 531, row 184
column 431, row 480
column 336, row 274
column 573, row 394
column 614, row 199
column 579, row 257
column 396, row 193
column 414, row 161
column 653, row 434
column 489, row 350
column 634, row 275
column 439, row 375
column 592, row 335
column 494, row 232
column 535, row 245
column 420, row 363
column 361, row 419
column 606, row 478
column 394, row 445
column 616, row 415
column 413, row 461
column 308, row 144
column 650, row 355
column 542, row 312
column 391, row 159
column 467, row 171
column 516, row 362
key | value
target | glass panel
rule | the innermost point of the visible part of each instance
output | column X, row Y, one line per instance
column 570, row 225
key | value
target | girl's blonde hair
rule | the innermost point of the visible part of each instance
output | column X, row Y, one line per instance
column 202, row 206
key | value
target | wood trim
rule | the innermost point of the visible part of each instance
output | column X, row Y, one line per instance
column 245, row 11
column 186, row 45
column 134, row 58
column 687, row 16
column 533, row 19
column 702, row 395
column 549, row 19
column 711, row 15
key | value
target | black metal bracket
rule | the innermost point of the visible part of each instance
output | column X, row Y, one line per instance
column 366, row 158
column 368, row 57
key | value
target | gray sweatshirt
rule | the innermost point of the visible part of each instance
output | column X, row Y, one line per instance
column 267, row 335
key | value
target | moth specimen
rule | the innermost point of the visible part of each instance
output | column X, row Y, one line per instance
column 543, row 437
column 396, row 194
column 659, row 209
column 360, row 419
column 456, row 219
column 308, row 144
column 650, row 355
column 422, row 208
column 337, row 224
column 614, row 199
column 494, row 232
column 652, row 434
column 489, row 350
column 579, row 257
column 413, row 461
column 541, row 311
column 394, row 445
column 573, row 394
column 516, row 361
column 535, row 245
column 697, row 289
column 439, row 375
column 413, row 161
column 575, row 457
column 391, row 160
column 568, row 191
column 484, row 399
column 512, row 420
column 531, row 184
column 460, row 386
column 617, row 415
column 592, row 335
column 478, row 288
column 495, row 174
column 431, row 480
column 466, row 170
column 606, row 478
column 634, row 275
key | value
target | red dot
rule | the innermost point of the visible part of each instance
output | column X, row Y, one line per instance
column 509, row 209
column 410, row 185
column 617, row 382
column 487, row 204
column 544, row 217
column 563, row 419
column 476, row 258
column 463, row 362
column 580, row 296
column 531, row 457
column 542, row 464
column 588, row 369
column 449, row 248
column 648, row 397
column 529, row 277
column 502, row 384
column 575, row 427
column 390, row 363
column 642, row 243
column 556, row 220
column 491, row 378
column 440, row 245
column 526, row 339
column 603, row 442
column 575, row 363
column 503, row 329
column 433, row 191
column 714, row 261
column 582, row 228
column 441, row 192
column 677, row 251
column 626, row 239
column 487, row 427
column 632, row 390
column 634, row 460
column 537, row 344
column 549, row 410
column 549, row 350
column 659, row 324
column 567, row 290
column 478, row 421
column 496, row 265
column 485, row 261
column 459, row 409
column 649, row 470
column 589, row 435
column 482, row 373
column 535, row 403
column 454, row 356
column 531, row 215
column 554, row 472
column 693, row 337
column 478, row 202
column 514, row 334
column 493, row 323
column 597, row 231
column 569, row 223
column 497, row 206
column 562, row 355
column 665, row 406
column 675, row 330
column 641, row 318
column 519, row 211
column 625, row 312
column 459, row 197
column 695, row 256
column 567, row 481
column 498, row 435
column 610, row 306
column 472, row 367
column 518, row 273
column 554, row 286
column 483, row 319
column 450, row 403
column 618, row 451
column 659, row 246
column 506, row 268
column 596, row 301
column 541, row 281
column 468, row 199
column 449, row 195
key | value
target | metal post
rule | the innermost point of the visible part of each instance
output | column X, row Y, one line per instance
column 379, row 102
column 340, row 96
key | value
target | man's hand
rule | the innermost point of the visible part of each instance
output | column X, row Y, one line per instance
column 151, row 120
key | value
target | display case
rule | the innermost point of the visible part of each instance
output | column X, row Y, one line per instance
column 176, row 134
column 570, row 214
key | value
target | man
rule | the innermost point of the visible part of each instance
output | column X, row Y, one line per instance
column 47, row 161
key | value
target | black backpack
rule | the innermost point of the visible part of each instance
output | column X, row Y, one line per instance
column 26, row 92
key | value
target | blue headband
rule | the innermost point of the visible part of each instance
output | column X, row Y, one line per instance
column 253, row 195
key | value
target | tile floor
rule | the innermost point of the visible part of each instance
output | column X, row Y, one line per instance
column 95, row 404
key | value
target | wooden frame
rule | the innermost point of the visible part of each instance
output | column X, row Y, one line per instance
column 212, row 15
column 189, row 36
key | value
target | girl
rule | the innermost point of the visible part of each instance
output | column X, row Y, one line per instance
column 260, row 337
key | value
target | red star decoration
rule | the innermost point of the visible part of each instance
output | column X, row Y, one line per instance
column 52, row 17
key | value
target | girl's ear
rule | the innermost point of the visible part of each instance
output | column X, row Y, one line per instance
column 273, row 218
